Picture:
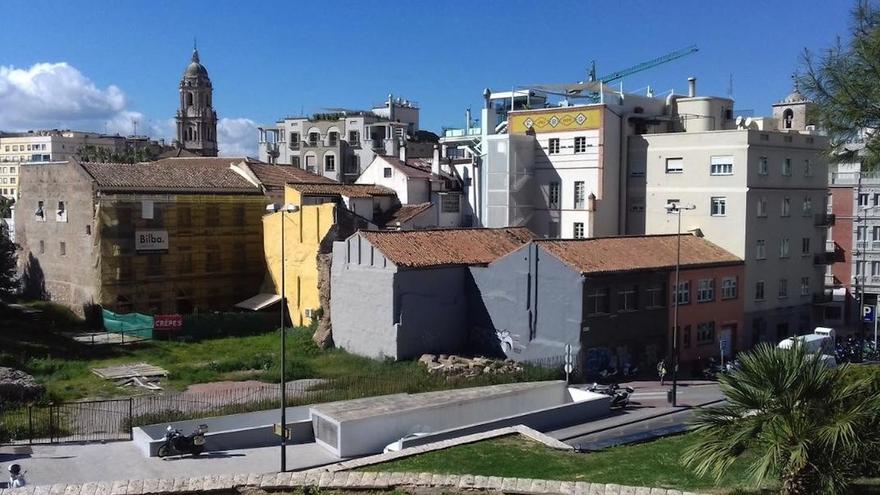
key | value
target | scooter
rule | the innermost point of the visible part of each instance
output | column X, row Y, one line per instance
column 16, row 476
column 176, row 443
column 619, row 396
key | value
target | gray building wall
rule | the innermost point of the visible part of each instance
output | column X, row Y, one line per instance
column 528, row 303
column 70, row 278
column 430, row 311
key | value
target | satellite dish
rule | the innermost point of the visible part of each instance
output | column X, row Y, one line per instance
column 748, row 123
column 739, row 121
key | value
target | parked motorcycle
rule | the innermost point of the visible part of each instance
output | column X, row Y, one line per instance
column 16, row 476
column 176, row 443
column 619, row 396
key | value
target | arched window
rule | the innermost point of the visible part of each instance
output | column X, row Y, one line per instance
column 189, row 99
column 787, row 117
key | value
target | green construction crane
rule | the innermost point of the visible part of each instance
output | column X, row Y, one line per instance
column 642, row 66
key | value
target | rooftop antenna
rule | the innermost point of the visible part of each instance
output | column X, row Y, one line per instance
column 730, row 86
column 134, row 126
column 591, row 76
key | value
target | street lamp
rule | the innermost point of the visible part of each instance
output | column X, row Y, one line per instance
column 862, row 216
column 676, row 208
column 286, row 208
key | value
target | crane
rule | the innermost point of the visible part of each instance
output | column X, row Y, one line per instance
column 669, row 57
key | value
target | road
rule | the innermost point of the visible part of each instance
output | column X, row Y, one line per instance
column 80, row 463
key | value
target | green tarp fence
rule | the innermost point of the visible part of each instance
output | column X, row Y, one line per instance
column 134, row 324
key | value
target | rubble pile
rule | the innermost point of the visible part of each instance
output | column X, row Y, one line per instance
column 458, row 366
column 16, row 385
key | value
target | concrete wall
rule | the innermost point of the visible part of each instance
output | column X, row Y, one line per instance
column 371, row 434
column 524, row 302
column 362, row 300
column 70, row 278
column 430, row 311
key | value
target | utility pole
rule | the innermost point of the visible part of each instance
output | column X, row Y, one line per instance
column 676, row 208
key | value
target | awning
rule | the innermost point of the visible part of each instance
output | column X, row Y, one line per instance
column 258, row 302
column 838, row 294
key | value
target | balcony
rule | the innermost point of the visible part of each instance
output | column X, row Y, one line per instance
column 823, row 219
column 294, row 145
column 823, row 259
column 830, row 280
column 830, row 246
column 472, row 131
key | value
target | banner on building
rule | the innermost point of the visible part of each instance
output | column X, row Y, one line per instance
column 151, row 240
column 167, row 323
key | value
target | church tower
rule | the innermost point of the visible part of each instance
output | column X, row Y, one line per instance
column 196, row 118
column 795, row 112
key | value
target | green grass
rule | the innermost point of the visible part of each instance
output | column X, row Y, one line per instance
column 656, row 464
column 64, row 366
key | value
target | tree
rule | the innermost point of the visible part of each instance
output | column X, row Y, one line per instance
column 844, row 82
column 793, row 419
column 8, row 261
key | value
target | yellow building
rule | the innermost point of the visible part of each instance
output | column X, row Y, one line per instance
column 326, row 212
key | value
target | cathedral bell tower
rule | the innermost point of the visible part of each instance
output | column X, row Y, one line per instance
column 196, row 118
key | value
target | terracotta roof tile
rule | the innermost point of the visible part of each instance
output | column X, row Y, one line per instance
column 335, row 189
column 407, row 169
column 629, row 253
column 172, row 174
column 439, row 247
column 275, row 176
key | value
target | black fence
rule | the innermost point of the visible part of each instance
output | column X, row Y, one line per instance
column 87, row 421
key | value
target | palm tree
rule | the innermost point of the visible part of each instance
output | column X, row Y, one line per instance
column 793, row 419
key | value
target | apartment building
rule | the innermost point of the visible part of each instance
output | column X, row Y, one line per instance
column 758, row 191
column 340, row 144
column 17, row 148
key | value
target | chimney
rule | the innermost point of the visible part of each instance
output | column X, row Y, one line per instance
column 435, row 162
column 403, row 151
column 692, row 87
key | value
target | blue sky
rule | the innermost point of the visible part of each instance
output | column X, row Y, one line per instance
column 268, row 59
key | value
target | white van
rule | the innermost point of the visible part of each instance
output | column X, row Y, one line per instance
column 821, row 341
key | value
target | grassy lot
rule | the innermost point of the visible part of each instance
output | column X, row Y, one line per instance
column 654, row 464
column 64, row 366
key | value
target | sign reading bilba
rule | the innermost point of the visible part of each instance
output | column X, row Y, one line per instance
column 151, row 240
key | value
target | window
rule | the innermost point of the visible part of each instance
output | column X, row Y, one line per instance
column 861, row 233
column 580, row 144
column 706, row 333
column 674, row 165
column 553, row 195
column 786, row 207
column 353, row 138
column 313, row 138
column 807, row 206
column 578, row 230
column 784, row 248
column 40, row 213
column 294, row 140
column 553, row 146
column 386, row 172
column 579, row 195
column 706, row 290
column 294, row 160
column 805, row 286
column 212, row 215
column 627, row 298
column 721, row 165
column 597, row 301
column 808, row 168
column 763, row 168
column 786, row 167
column 760, row 249
column 62, row 248
column 863, row 200
column 719, row 206
column 686, row 337
column 184, row 217
column 88, row 230
column 759, row 291
column 655, row 296
column 783, row 288
column 728, row 288
column 330, row 163
column 333, row 138
column 449, row 203
column 805, row 245
column 684, row 292
column 875, row 268
column 762, row 208
column 42, row 247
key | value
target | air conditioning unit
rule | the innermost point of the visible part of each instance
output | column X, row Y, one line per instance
column 310, row 313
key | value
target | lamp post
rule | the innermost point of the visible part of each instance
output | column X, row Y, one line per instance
column 286, row 208
column 676, row 208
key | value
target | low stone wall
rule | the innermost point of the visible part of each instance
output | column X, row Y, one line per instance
column 349, row 481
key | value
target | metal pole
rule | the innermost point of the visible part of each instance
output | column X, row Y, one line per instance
column 876, row 306
column 675, row 313
column 283, row 356
column 861, row 276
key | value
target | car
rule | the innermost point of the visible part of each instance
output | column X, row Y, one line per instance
column 397, row 445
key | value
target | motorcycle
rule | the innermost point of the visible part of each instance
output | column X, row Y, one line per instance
column 176, row 443
column 619, row 396
column 16, row 476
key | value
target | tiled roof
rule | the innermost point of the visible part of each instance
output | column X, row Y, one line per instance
column 335, row 189
column 630, row 253
column 407, row 169
column 439, row 247
column 405, row 213
column 275, row 176
column 172, row 174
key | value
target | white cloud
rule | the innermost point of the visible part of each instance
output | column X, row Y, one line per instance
column 58, row 95
column 237, row 137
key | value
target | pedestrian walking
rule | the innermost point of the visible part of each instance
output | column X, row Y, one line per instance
column 661, row 371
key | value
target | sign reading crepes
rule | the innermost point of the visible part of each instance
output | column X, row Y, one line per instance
column 167, row 323
column 151, row 240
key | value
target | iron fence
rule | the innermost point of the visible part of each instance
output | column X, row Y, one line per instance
column 86, row 421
